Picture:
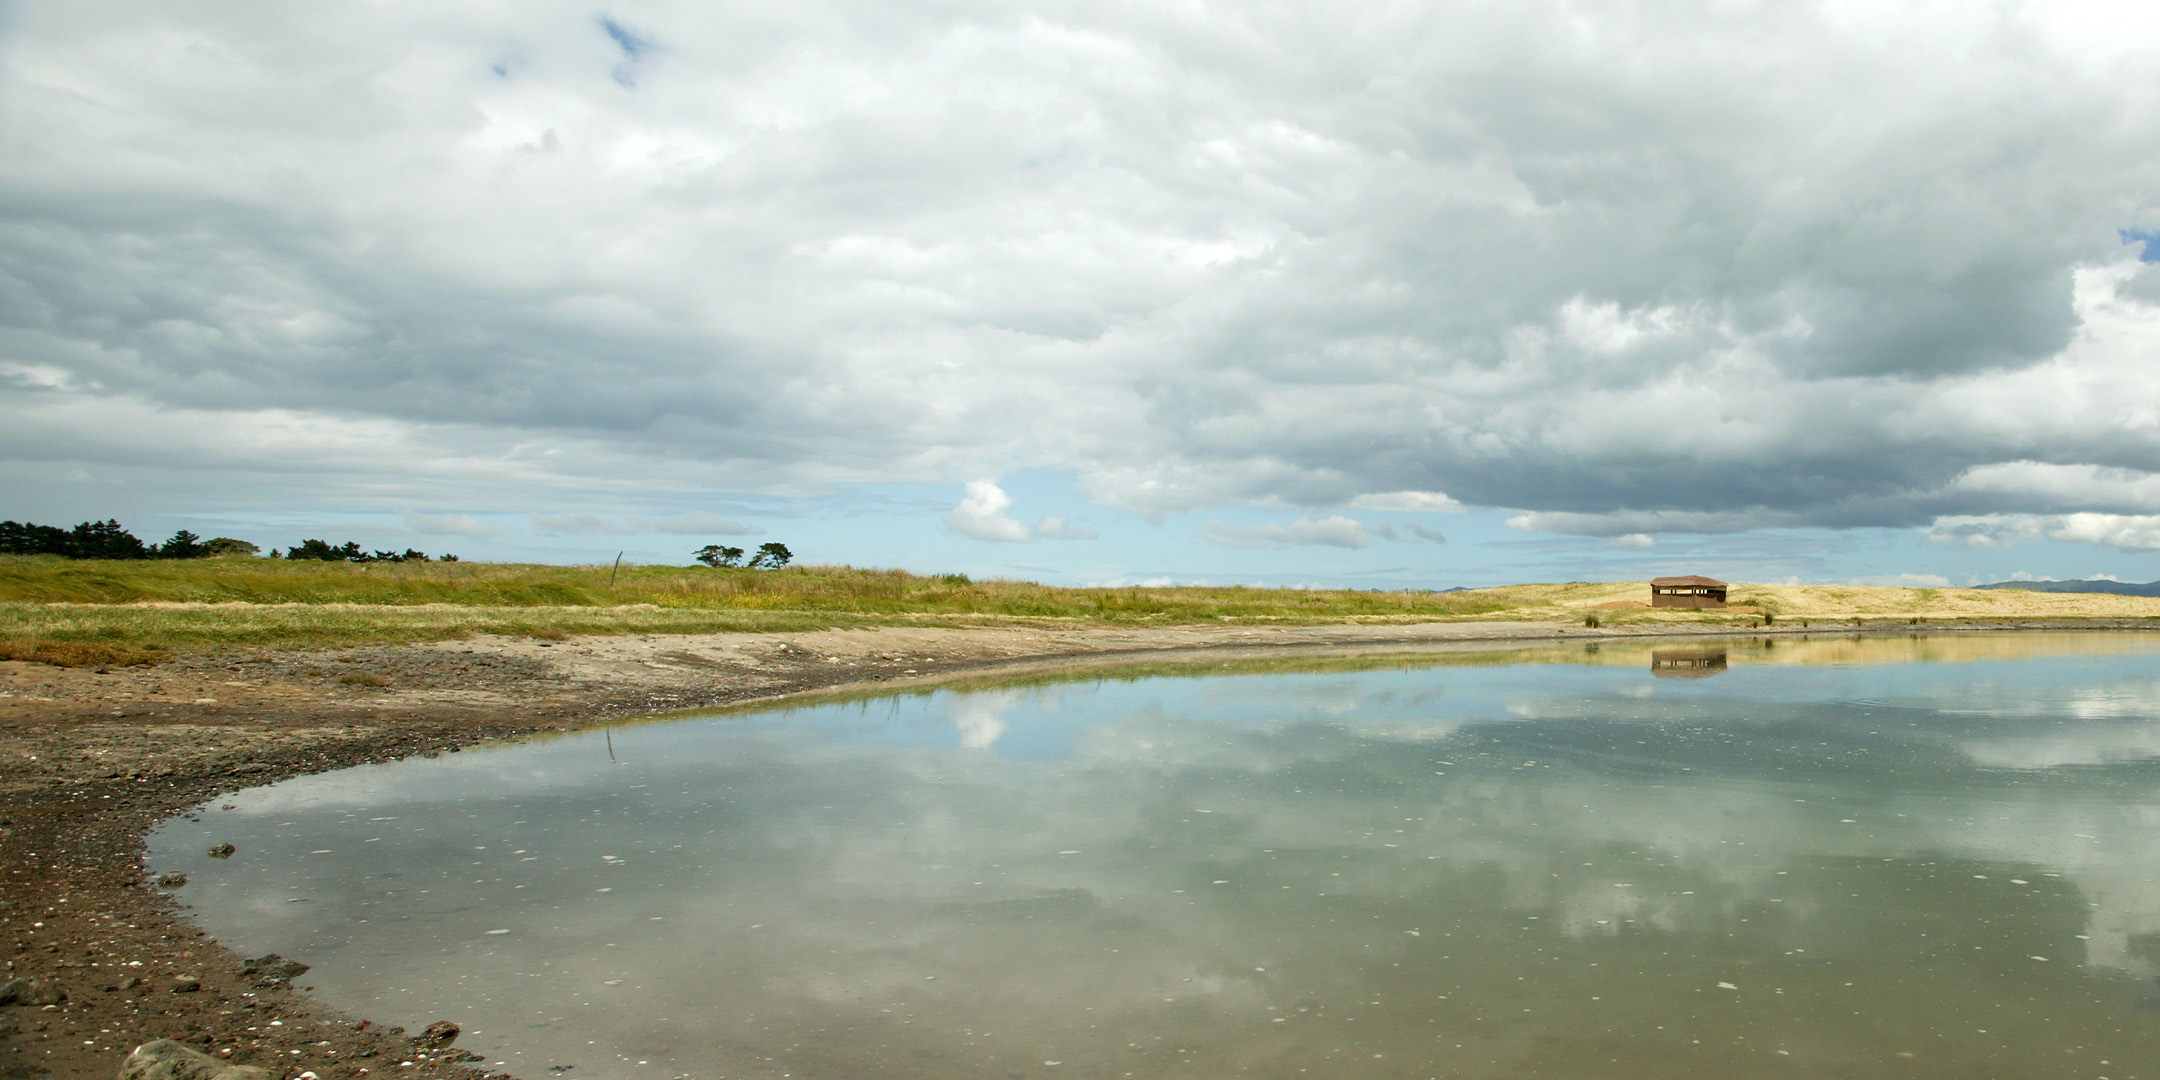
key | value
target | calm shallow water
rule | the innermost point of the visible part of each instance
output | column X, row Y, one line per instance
column 1903, row 857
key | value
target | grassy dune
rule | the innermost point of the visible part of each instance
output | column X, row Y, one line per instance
column 64, row 611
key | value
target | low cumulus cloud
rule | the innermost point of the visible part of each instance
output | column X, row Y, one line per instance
column 1061, row 528
column 448, row 525
column 1408, row 531
column 1902, row 581
column 1646, row 276
column 695, row 523
column 1331, row 531
column 981, row 515
column 576, row 525
column 1427, row 502
column 2124, row 532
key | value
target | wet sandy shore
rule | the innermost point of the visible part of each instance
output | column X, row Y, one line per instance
column 91, row 760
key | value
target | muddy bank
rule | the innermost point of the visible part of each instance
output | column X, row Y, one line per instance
column 90, row 760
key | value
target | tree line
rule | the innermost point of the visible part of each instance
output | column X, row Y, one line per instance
column 351, row 552
column 108, row 540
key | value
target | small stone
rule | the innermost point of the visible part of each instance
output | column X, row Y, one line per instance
column 28, row 991
column 439, row 1034
column 186, row 986
column 274, row 968
column 171, row 879
column 222, row 851
column 164, row 1059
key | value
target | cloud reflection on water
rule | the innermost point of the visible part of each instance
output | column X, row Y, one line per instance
column 1078, row 867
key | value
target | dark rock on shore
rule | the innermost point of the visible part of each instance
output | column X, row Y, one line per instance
column 27, row 991
column 437, row 1035
column 274, row 968
column 164, row 1059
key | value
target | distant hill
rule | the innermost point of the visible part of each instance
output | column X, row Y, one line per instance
column 2119, row 588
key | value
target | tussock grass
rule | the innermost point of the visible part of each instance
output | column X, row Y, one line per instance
column 95, row 654
column 103, row 613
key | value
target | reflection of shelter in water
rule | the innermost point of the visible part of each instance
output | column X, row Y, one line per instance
column 1692, row 591
column 1687, row 663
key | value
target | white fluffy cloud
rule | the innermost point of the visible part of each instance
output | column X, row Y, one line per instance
column 981, row 515
column 2125, row 532
column 1624, row 269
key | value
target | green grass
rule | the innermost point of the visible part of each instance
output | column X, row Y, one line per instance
column 838, row 591
column 267, row 603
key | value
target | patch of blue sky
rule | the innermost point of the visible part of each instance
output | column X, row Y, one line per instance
column 635, row 47
column 904, row 525
column 632, row 45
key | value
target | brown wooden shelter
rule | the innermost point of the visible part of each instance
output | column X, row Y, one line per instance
column 1688, row 592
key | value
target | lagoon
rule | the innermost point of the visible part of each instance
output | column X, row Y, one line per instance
column 1923, row 856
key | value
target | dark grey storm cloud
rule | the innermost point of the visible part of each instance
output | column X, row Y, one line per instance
column 1621, row 268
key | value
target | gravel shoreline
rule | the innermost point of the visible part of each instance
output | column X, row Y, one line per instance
column 93, row 760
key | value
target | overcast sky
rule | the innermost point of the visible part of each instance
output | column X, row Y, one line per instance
column 1379, row 294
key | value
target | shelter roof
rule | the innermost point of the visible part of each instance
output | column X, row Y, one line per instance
column 1689, row 580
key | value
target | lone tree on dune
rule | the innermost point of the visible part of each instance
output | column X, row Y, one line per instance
column 771, row 557
column 714, row 555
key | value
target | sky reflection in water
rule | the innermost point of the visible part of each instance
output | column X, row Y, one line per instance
column 1904, row 857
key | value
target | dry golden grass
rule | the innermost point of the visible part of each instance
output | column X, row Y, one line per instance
column 95, row 654
column 105, row 613
column 1836, row 603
